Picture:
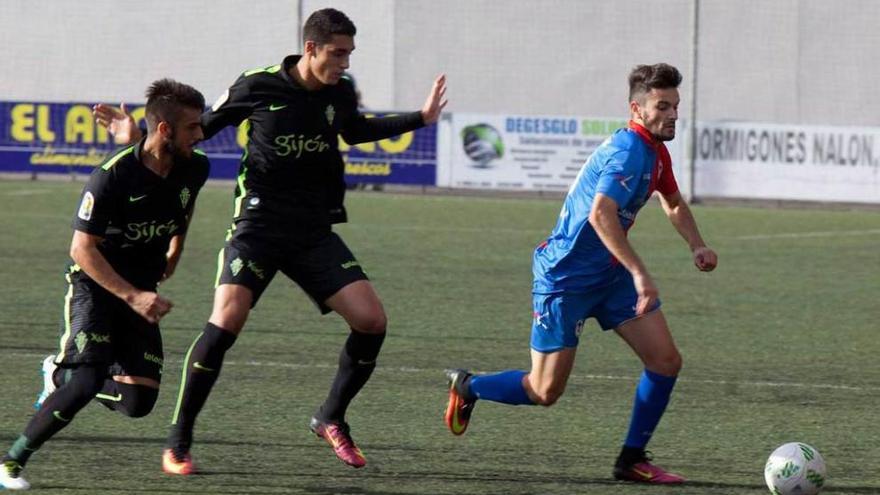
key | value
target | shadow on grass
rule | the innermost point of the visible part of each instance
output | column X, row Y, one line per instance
column 79, row 439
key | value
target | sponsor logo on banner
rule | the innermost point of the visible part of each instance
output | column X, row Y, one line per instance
column 523, row 152
column 482, row 143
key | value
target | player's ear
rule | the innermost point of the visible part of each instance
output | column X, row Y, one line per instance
column 635, row 108
column 310, row 48
column 164, row 129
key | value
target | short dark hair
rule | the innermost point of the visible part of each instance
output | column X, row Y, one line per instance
column 644, row 78
column 165, row 98
column 323, row 24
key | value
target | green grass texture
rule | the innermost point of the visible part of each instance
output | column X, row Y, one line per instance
column 780, row 344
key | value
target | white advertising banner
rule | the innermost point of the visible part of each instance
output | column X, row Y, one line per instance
column 772, row 161
column 519, row 152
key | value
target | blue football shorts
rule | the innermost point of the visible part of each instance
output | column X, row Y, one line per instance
column 559, row 318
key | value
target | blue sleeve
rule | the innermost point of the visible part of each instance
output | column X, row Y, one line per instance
column 619, row 177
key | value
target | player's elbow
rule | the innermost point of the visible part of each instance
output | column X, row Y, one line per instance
column 599, row 217
column 76, row 252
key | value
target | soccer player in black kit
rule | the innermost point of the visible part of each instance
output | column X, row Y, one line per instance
column 289, row 192
column 129, row 233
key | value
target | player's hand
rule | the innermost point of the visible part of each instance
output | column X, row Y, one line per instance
column 150, row 305
column 647, row 291
column 705, row 259
column 117, row 121
column 435, row 102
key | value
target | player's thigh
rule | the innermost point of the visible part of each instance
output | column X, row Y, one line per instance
column 360, row 306
column 558, row 319
column 139, row 356
column 88, row 323
column 333, row 278
column 649, row 337
column 619, row 301
column 245, row 267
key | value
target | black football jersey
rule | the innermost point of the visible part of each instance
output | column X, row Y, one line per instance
column 292, row 174
column 137, row 212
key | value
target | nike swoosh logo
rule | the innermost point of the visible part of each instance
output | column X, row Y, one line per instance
column 644, row 474
column 456, row 424
column 274, row 108
column 197, row 365
column 114, row 398
column 132, row 199
column 58, row 416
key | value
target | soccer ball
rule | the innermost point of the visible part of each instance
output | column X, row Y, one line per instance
column 795, row 469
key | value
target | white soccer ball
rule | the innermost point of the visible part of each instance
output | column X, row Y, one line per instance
column 795, row 469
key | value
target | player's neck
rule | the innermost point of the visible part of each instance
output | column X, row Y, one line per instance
column 155, row 158
column 302, row 74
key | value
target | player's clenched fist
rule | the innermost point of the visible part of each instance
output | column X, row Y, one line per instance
column 151, row 306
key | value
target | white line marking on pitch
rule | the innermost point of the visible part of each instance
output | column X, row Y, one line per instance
column 439, row 372
column 27, row 192
column 636, row 235
column 800, row 235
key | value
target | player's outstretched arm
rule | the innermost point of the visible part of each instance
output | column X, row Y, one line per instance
column 679, row 214
column 436, row 101
column 84, row 252
column 117, row 121
column 361, row 129
column 604, row 220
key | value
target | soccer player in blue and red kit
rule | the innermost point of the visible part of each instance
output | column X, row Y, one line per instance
column 588, row 269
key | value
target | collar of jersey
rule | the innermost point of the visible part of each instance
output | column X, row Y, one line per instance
column 646, row 136
column 288, row 62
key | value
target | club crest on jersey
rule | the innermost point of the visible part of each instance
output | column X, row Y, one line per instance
column 184, row 197
column 86, row 206
column 235, row 266
column 330, row 113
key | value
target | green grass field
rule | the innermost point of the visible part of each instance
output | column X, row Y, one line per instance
column 780, row 344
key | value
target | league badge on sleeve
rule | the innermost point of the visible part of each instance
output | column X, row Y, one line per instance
column 86, row 206
column 220, row 101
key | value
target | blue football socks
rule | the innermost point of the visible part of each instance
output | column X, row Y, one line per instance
column 652, row 396
column 505, row 387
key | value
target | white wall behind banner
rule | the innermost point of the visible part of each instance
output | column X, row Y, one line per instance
column 769, row 161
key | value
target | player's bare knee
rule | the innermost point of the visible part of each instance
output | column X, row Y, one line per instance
column 667, row 364
column 372, row 323
column 231, row 315
column 548, row 395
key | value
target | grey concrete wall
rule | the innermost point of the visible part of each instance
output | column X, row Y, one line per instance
column 790, row 61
